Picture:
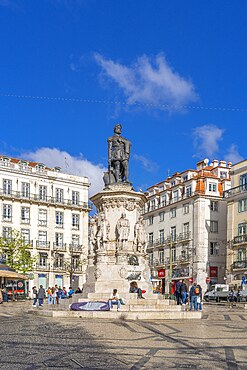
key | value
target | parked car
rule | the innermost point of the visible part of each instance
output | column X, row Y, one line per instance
column 217, row 293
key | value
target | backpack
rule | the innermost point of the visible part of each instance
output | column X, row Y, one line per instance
column 197, row 290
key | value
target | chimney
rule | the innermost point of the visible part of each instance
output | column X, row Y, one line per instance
column 215, row 163
column 223, row 163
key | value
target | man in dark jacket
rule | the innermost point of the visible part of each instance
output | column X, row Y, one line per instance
column 183, row 292
column 41, row 295
column 177, row 291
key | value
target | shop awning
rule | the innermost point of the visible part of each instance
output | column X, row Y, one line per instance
column 12, row 275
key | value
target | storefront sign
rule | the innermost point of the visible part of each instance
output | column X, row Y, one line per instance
column 213, row 271
column 161, row 273
column 207, row 280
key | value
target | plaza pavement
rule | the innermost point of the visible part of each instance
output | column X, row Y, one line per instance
column 28, row 341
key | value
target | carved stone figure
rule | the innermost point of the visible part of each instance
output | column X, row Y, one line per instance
column 103, row 231
column 123, row 230
column 118, row 158
column 140, row 236
column 92, row 234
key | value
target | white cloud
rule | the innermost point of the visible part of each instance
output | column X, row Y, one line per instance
column 52, row 157
column 233, row 154
column 206, row 140
column 149, row 81
column 146, row 163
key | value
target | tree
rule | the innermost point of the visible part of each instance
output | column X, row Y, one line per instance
column 16, row 252
column 74, row 262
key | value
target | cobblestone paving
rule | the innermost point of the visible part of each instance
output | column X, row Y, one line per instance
column 218, row 341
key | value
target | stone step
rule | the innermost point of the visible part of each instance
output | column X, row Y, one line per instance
column 122, row 315
column 138, row 302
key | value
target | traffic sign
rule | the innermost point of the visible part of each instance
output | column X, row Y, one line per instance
column 207, row 280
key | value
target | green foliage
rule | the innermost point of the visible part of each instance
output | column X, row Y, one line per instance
column 17, row 252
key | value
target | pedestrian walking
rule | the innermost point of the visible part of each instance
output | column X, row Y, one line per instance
column 194, row 293
column 231, row 297
column 199, row 297
column 183, row 292
column 35, row 295
column 59, row 294
column 177, row 291
column 41, row 295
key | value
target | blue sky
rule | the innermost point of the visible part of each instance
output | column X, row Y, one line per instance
column 177, row 69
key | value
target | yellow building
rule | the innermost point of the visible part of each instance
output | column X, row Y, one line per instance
column 236, row 262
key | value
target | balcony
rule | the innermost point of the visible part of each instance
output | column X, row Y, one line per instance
column 7, row 218
column 234, row 191
column 59, row 267
column 75, row 248
column 239, row 265
column 42, row 223
column 184, row 236
column 44, row 199
column 43, row 267
column 59, row 246
column 240, row 239
column 40, row 244
column 25, row 220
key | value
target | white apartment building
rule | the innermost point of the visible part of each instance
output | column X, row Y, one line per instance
column 236, row 199
column 50, row 209
column 186, row 225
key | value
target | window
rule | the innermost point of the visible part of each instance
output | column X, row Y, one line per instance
column 150, row 220
column 243, row 181
column 162, row 216
column 7, row 187
column 173, row 183
column 59, row 239
column 152, row 205
column 42, row 260
column 42, row 217
column 163, row 201
column 212, row 187
column 174, row 255
column 25, row 215
column 241, row 255
column 59, row 195
column 42, row 238
column 161, row 236
column 43, row 192
column 186, row 208
column 25, row 234
column 161, row 257
column 185, row 178
column 186, row 228
column 173, row 212
column 75, row 197
column 242, row 229
column 7, row 231
column 58, row 261
column 213, row 249
column 75, row 221
column 75, row 262
column 25, row 190
column 151, row 258
column 75, row 240
column 175, row 196
column 150, row 238
column 7, row 212
column 173, row 233
column 242, row 205
column 214, row 205
column 223, row 174
column 213, row 226
column 188, row 191
column 59, row 219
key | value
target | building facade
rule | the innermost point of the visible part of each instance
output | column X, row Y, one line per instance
column 186, row 225
column 236, row 199
column 50, row 210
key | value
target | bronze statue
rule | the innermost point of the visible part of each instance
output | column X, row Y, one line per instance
column 118, row 158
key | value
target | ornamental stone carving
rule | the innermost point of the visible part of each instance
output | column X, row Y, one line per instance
column 97, row 273
column 140, row 236
column 123, row 272
column 122, row 232
column 102, row 234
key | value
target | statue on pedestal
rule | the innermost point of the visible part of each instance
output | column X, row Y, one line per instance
column 92, row 234
column 103, row 230
column 118, row 158
column 123, row 230
column 140, row 236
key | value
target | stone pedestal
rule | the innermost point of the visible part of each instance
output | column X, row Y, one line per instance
column 117, row 256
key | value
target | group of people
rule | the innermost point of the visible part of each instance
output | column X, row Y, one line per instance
column 53, row 294
column 116, row 300
column 194, row 295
